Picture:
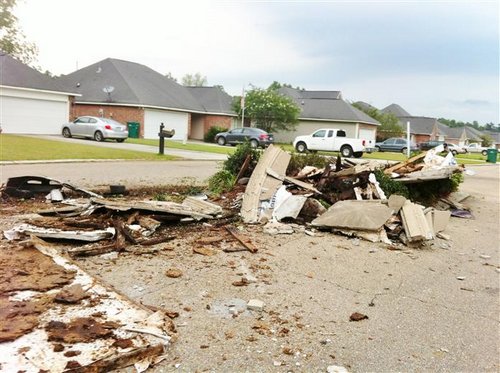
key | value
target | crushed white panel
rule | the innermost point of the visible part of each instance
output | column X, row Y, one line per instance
column 88, row 236
column 147, row 330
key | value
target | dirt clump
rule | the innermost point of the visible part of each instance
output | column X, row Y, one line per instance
column 83, row 329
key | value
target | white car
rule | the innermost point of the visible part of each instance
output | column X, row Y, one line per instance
column 95, row 128
column 455, row 149
column 476, row 148
column 330, row 140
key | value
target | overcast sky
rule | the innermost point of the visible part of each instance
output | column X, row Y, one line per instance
column 434, row 58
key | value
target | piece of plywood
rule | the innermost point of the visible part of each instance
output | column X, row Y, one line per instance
column 262, row 186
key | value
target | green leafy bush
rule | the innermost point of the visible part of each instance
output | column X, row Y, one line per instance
column 212, row 131
column 299, row 160
column 224, row 180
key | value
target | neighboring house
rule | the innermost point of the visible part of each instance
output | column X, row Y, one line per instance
column 320, row 109
column 496, row 138
column 31, row 102
column 397, row 110
column 423, row 128
column 217, row 103
column 131, row 92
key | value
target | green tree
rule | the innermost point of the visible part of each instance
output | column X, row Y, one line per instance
column 269, row 110
column 170, row 76
column 277, row 85
column 487, row 140
column 12, row 39
column 194, row 80
column 389, row 123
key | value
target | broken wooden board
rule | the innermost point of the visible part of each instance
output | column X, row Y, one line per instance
column 134, row 332
column 157, row 207
column 415, row 223
column 244, row 240
column 368, row 215
column 203, row 207
column 261, row 186
column 396, row 167
column 88, row 236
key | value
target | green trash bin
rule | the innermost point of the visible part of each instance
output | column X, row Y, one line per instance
column 491, row 155
column 133, row 129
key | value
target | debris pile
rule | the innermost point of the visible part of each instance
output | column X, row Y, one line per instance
column 345, row 197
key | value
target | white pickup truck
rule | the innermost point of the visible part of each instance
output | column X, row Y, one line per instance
column 476, row 148
column 330, row 140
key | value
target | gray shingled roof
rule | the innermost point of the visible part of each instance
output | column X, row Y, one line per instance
column 213, row 99
column 14, row 73
column 451, row 132
column 330, row 108
column 473, row 134
column 396, row 110
column 419, row 125
column 133, row 84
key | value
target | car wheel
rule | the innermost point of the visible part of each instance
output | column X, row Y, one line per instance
column 221, row 141
column 301, row 147
column 358, row 154
column 66, row 132
column 254, row 143
column 404, row 150
column 454, row 152
column 346, row 151
column 377, row 149
column 120, row 140
column 98, row 136
column 484, row 152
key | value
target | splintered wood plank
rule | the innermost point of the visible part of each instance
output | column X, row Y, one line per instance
column 261, row 186
column 389, row 170
column 244, row 240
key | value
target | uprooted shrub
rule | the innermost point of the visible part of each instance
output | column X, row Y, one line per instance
column 224, row 179
column 212, row 131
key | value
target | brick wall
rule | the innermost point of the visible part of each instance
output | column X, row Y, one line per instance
column 421, row 138
column 122, row 114
column 217, row 121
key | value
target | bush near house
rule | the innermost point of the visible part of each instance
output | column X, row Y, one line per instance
column 212, row 131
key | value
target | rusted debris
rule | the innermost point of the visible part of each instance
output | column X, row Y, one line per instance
column 244, row 240
column 356, row 316
column 83, row 329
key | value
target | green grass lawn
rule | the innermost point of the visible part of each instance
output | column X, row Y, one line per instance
column 208, row 148
column 24, row 148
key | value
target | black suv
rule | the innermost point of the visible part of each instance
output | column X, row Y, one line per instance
column 255, row 136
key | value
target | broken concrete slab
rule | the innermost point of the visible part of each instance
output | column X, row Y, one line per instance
column 415, row 223
column 352, row 214
column 255, row 305
column 440, row 220
column 395, row 202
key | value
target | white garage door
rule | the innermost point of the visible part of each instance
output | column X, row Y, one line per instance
column 32, row 116
column 171, row 120
column 367, row 134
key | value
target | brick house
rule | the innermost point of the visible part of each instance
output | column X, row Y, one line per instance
column 131, row 92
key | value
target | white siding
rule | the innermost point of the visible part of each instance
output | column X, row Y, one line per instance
column 31, row 112
column 171, row 119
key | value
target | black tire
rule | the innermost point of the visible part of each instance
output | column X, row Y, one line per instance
column 484, row 152
column 454, row 152
column 404, row 150
column 254, row 143
column 66, row 132
column 120, row 140
column 377, row 149
column 358, row 154
column 221, row 141
column 301, row 147
column 346, row 151
column 98, row 136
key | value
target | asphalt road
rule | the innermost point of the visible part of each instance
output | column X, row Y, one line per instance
column 128, row 173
